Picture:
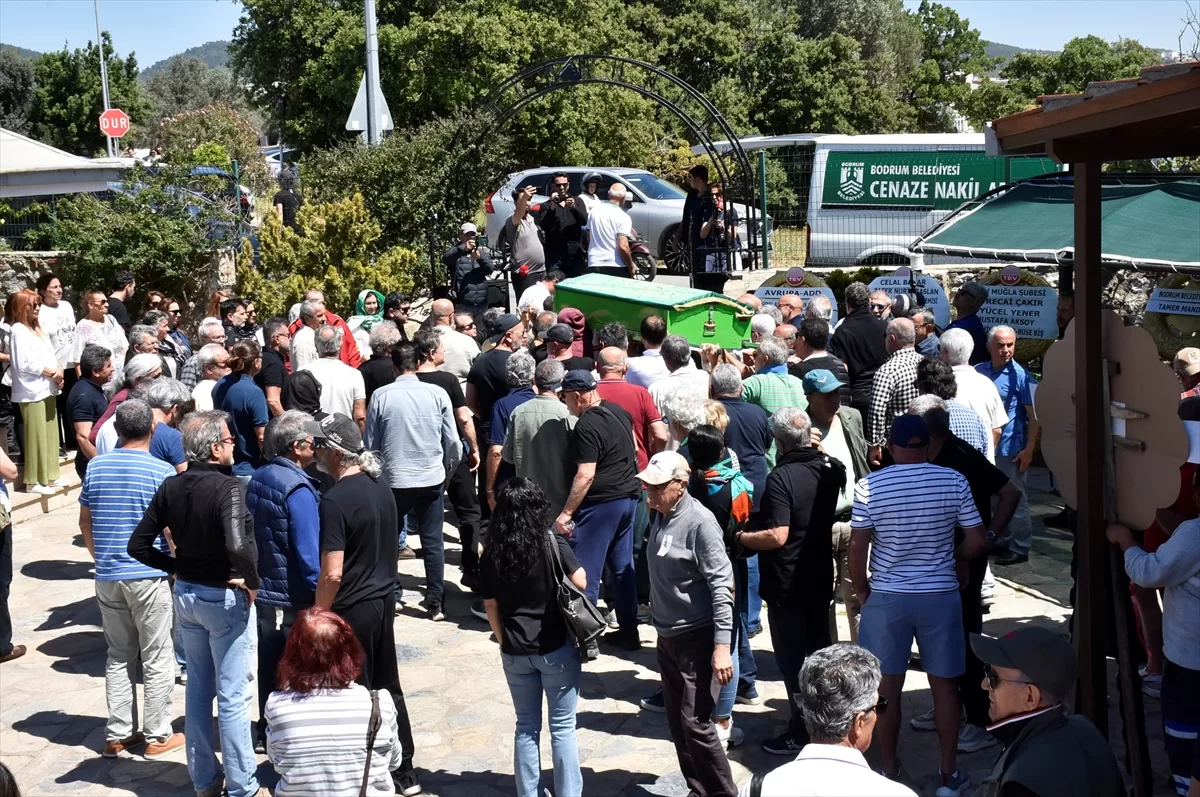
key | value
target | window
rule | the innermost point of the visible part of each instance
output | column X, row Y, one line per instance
column 652, row 187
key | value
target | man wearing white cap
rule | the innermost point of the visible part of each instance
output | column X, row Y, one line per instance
column 469, row 265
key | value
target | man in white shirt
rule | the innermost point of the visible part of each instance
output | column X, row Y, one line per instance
column 839, row 693
column 647, row 369
column 974, row 389
column 214, row 364
column 304, row 349
column 461, row 349
column 533, row 299
column 684, row 376
column 343, row 389
column 609, row 230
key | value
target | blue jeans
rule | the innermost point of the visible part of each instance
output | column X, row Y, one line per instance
column 556, row 674
column 604, row 533
column 424, row 505
column 218, row 627
column 745, row 669
column 753, row 608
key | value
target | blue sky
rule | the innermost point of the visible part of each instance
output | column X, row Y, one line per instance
column 157, row 29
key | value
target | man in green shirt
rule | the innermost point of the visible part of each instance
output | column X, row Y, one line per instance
column 772, row 387
column 538, row 434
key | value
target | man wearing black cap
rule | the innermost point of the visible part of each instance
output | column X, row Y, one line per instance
column 598, row 514
column 358, row 563
column 913, row 589
column 558, row 346
column 1047, row 752
column 487, row 382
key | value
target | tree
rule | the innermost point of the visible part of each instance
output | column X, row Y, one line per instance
column 186, row 84
column 16, row 90
column 950, row 50
column 184, row 137
column 68, row 97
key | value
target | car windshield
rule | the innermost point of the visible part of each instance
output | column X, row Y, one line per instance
column 652, row 187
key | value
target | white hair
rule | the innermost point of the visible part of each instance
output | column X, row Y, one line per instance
column 819, row 307
column 1000, row 328
column 792, row 428
column 209, row 324
column 957, row 345
column 762, row 325
column 617, row 191
column 684, row 410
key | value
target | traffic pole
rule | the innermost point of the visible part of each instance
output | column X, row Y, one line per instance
column 103, row 71
column 372, row 75
column 764, row 237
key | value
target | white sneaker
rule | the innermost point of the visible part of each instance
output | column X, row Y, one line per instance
column 924, row 722
column 730, row 736
column 972, row 739
column 42, row 489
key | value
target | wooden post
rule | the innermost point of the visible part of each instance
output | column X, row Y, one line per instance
column 1090, row 414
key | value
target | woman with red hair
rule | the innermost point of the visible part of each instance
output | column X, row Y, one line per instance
column 319, row 719
column 37, row 378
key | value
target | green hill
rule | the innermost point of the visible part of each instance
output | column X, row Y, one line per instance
column 21, row 51
column 214, row 53
column 1006, row 51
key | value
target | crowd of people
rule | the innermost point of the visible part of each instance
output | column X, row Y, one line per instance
column 248, row 492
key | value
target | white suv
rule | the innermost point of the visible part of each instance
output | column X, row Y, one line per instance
column 656, row 212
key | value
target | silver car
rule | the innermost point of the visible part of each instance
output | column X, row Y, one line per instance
column 657, row 209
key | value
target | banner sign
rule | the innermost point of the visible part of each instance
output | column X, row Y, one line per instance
column 771, row 296
column 921, row 179
column 1174, row 302
column 929, row 288
column 1032, row 311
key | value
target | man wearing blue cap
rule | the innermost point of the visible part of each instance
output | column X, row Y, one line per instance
column 905, row 515
column 841, row 436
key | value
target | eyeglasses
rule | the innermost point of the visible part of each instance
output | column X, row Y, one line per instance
column 880, row 306
column 881, row 706
column 173, row 312
column 994, row 679
column 466, row 326
column 227, row 441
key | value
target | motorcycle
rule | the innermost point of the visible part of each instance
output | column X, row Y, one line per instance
column 643, row 258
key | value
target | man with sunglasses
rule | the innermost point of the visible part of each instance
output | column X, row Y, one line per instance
column 1030, row 672
column 562, row 221
column 881, row 305
column 928, row 342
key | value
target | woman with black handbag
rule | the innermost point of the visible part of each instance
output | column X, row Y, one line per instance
column 521, row 594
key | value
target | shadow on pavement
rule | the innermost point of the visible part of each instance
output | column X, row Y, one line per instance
column 79, row 653
column 84, row 612
column 57, row 570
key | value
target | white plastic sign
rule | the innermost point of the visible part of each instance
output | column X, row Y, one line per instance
column 931, row 290
column 1032, row 311
column 771, row 295
column 1174, row 302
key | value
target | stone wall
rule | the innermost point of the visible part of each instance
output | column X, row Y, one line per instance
column 20, row 270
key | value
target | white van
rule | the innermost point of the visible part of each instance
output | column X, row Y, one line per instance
column 865, row 199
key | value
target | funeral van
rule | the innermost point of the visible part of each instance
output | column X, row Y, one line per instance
column 861, row 200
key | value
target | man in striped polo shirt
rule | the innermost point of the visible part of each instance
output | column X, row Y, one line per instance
column 905, row 515
column 135, row 600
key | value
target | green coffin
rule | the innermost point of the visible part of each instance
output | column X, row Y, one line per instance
column 700, row 316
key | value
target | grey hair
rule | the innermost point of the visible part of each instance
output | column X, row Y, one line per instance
column 774, row 350
column 383, row 337
column 208, row 354
column 153, row 318
column 613, row 334
column 792, row 428
column 549, row 372
column 926, row 313
column 957, row 345
column 604, row 364
column 139, row 331
column 518, row 372
column 773, row 311
column 685, row 410
column 138, row 367
column 762, row 324
column 283, row 432
column 837, row 683
column 676, row 351
column 543, row 321
column 725, row 381
column 904, row 331
column 328, row 341
column 1000, row 328
column 210, row 323
column 819, row 307
column 133, row 420
column 789, row 334
column 308, row 310
column 935, row 413
column 202, row 431
column 857, row 295
column 165, row 393
column 369, row 461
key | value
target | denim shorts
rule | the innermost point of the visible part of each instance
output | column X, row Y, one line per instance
column 890, row 620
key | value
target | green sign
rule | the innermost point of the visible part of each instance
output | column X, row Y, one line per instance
column 925, row 180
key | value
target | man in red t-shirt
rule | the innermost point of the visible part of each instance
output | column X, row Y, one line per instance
column 349, row 353
column 649, row 429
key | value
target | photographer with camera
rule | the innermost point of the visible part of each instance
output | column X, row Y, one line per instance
column 718, row 234
column 469, row 264
column 562, row 221
column 523, row 235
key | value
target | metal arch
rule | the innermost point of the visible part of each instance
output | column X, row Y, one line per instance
column 538, row 80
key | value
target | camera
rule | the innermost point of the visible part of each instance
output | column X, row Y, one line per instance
column 481, row 240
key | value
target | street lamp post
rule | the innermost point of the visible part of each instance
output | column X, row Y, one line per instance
column 103, row 71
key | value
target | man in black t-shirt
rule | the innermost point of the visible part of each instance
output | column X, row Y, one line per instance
column 277, row 344
column 812, row 342
column 124, row 285
column 986, row 481
column 286, row 203
column 86, row 403
column 599, row 510
column 487, row 382
column 358, row 562
column 559, row 339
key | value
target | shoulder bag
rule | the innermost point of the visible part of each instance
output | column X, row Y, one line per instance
column 583, row 619
column 372, row 731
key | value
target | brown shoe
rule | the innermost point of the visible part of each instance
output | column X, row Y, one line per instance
column 168, row 745
column 115, row 749
column 17, row 652
column 407, row 553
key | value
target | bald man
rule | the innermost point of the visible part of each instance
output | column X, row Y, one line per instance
column 792, row 306
column 895, row 384
column 461, row 349
column 752, row 300
column 787, row 333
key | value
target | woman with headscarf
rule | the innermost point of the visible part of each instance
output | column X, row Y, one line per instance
column 576, row 321
column 368, row 311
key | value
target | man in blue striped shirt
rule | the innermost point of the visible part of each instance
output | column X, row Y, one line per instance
column 135, row 600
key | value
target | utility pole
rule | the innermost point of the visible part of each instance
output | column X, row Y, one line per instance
column 372, row 75
column 104, row 70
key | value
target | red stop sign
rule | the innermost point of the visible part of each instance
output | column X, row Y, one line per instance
column 114, row 122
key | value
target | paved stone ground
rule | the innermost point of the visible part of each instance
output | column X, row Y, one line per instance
column 52, row 707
